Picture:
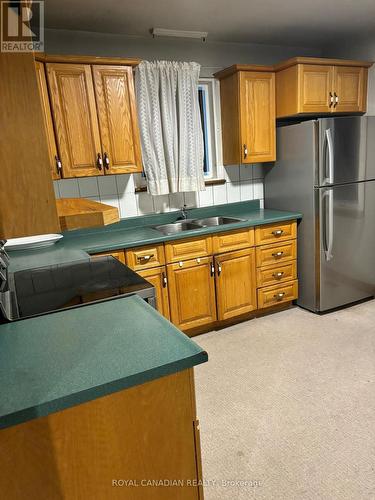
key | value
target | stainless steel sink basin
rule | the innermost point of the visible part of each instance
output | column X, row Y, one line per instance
column 177, row 227
column 217, row 221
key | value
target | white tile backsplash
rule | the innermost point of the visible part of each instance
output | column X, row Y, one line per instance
column 243, row 183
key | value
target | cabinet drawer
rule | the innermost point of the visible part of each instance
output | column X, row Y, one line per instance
column 145, row 257
column 272, row 233
column 188, row 249
column 117, row 254
column 273, row 295
column 272, row 275
column 279, row 252
column 233, row 240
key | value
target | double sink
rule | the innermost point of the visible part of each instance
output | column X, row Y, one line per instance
column 190, row 224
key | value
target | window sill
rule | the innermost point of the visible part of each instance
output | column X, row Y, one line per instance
column 208, row 182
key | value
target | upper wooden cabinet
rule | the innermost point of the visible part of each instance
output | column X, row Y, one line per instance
column 115, row 98
column 94, row 113
column 248, row 114
column 76, row 122
column 54, row 161
column 27, row 199
column 320, row 86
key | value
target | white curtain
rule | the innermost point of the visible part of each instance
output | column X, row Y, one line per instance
column 170, row 126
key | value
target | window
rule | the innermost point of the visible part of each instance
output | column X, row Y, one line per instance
column 209, row 102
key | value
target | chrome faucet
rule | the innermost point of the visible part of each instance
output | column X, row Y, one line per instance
column 184, row 212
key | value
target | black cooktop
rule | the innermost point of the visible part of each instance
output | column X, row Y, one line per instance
column 62, row 286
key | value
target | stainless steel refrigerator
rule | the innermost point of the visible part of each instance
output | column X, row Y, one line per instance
column 325, row 169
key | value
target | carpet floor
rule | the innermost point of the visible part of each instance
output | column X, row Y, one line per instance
column 287, row 407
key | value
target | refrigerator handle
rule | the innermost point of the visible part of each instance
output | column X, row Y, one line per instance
column 328, row 224
column 329, row 178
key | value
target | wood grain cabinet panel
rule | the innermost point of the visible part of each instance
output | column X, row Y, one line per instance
column 247, row 96
column 192, row 293
column 115, row 98
column 232, row 240
column 271, row 233
column 321, row 86
column 257, row 117
column 316, row 83
column 158, row 278
column 351, row 89
column 272, row 275
column 118, row 254
column 75, row 117
column 274, row 295
column 190, row 248
column 275, row 253
column 54, row 161
column 145, row 257
column 235, row 283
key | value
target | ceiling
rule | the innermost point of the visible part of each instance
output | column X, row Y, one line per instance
column 282, row 22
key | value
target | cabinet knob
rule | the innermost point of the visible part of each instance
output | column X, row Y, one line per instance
column 336, row 99
column 279, row 296
column 99, row 162
column 245, row 151
column 212, row 269
column 144, row 258
column 106, row 161
column 278, row 275
column 164, row 280
column 277, row 232
column 277, row 254
column 331, row 100
column 58, row 164
column 218, row 268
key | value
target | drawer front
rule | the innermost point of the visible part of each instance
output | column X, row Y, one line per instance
column 233, row 240
column 272, row 233
column 188, row 249
column 280, row 252
column 117, row 254
column 272, row 275
column 273, row 295
column 145, row 257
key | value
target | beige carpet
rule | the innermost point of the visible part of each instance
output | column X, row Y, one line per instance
column 287, row 404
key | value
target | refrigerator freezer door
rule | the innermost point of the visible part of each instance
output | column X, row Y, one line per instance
column 347, row 244
column 344, row 145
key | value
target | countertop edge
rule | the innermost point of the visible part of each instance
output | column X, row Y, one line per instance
column 93, row 393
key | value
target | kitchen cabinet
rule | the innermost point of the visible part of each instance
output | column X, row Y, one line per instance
column 94, row 113
column 27, row 198
column 158, row 278
column 119, row 255
column 54, row 161
column 192, row 292
column 235, row 283
column 320, row 86
column 76, row 121
column 145, row 257
column 118, row 123
column 248, row 114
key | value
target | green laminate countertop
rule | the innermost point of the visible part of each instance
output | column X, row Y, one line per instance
column 139, row 231
column 52, row 362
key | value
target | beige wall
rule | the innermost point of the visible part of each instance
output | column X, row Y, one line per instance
column 211, row 55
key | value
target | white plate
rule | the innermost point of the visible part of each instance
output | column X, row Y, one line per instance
column 30, row 242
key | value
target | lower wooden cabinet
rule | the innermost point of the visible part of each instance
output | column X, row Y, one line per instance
column 192, row 292
column 274, row 295
column 158, row 278
column 235, row 283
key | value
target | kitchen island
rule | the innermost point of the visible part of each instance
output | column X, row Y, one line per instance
column 95, row 396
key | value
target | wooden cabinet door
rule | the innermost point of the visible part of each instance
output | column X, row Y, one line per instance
column 350, row 87
column 235, row 283
column 192, row 293
column 54, row 161
column 158, row 278
column 76, row 122
column 257, row 117
column 315, row 88
column 115, row 98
